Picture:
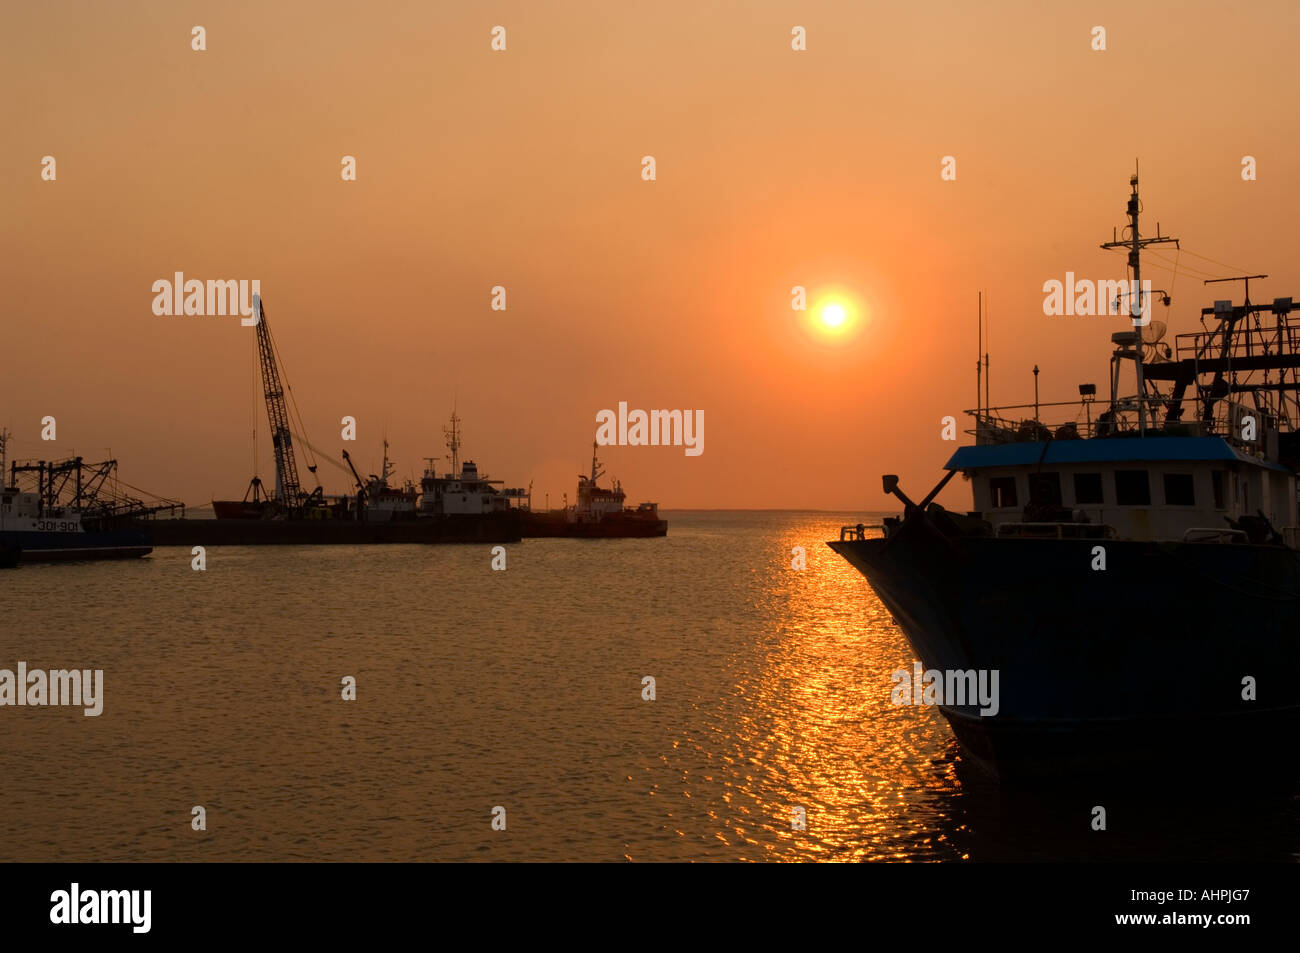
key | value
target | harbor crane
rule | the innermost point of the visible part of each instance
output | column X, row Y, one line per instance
column 289, row 494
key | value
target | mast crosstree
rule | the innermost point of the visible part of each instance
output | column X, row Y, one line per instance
column 1135, row 243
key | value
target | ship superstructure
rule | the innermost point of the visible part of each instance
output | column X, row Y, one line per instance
column 462, row 491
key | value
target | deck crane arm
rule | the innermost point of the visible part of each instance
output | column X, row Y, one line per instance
column 361, row 487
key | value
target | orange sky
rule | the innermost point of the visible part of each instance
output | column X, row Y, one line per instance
column 522, row 169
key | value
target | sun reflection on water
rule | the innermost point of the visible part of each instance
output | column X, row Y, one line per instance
column 809, row 724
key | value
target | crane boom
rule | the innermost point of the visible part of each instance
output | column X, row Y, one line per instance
column 288, row 491
column 361, row 487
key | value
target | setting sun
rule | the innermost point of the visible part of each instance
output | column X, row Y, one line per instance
column 833, row 315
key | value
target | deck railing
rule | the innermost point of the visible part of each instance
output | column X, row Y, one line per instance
column 1246, row 342
column 1027, row 423
column 859, row 530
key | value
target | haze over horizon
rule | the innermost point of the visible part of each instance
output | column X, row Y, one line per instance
column 523, row 169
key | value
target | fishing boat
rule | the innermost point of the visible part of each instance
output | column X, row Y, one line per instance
column 1132, row 577
column 65, row 510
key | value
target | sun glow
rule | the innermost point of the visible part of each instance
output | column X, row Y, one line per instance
column 834, row 315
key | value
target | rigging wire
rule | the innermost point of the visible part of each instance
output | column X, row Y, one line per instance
column 1217, row 262
column 323, row 454
column 1169, row 265
column 1174, row 264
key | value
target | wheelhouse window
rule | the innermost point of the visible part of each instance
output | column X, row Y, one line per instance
column 1045, row 488
column 1219, row 485
column 1132, row 488
column 1087, row 488
column 1179, row 489
column 1002, row 490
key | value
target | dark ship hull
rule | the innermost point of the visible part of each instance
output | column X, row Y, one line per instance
column 1138, row 666
column 618, row 527
column 500, row 527
column 556, row 524
column 546, row 524
column 38, row 547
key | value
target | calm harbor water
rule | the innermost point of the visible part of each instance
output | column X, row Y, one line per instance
column 523, row 689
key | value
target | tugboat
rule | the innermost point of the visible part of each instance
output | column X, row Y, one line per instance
column 64, row 510
column 598, row 514
column 1133, row 579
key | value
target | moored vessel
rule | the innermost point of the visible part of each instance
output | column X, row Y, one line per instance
column 458, row 507
column 66, row 510
column 1133, row 578
column 599, row 513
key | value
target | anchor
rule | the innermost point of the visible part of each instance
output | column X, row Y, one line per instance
column 911, row 511
column 890, row 482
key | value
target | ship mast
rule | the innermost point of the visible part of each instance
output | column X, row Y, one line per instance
column 385, row 469
column 453, row 444
column 979, row 346
column 1135, row 243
